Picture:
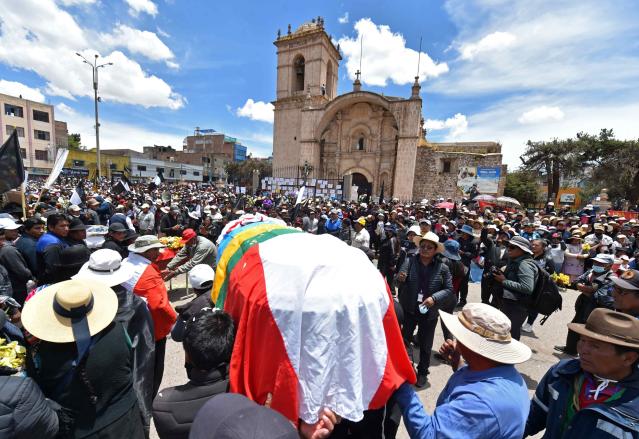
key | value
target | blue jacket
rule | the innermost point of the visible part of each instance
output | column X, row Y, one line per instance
column 618, row 419
column 491, row 404
column 333, row 227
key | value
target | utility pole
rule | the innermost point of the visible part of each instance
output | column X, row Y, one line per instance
column 94, row 69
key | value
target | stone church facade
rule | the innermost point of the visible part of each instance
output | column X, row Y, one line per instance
column 377, row 139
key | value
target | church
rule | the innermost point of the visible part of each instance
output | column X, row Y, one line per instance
column 376, row 141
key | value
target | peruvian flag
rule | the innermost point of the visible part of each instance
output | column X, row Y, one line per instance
column 316, row 326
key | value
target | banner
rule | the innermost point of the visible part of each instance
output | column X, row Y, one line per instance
column 624, row 213
column 11, row 166
column 486, row 179
column 60, row 158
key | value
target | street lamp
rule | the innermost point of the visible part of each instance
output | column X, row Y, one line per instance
column 94, row 68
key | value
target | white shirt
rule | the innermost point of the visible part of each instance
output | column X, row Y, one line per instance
column 362, row 240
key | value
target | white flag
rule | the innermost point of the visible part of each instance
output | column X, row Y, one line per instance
column 60, row 158
column 300, row 195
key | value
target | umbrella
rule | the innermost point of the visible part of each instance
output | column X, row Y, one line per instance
column 444, row 205
column 484, row 197
column 508, row 201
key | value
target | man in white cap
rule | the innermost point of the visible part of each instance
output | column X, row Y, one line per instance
column 146, row 220
column 487, row 397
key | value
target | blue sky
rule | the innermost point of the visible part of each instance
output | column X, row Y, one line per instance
column 502, row 70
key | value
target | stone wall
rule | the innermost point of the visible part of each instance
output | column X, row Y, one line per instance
column 432, row 180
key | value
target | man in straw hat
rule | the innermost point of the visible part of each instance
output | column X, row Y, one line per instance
column 428, row 286
column 487, row 398
column 596, row 395
column 147, row 282
column 84, row 359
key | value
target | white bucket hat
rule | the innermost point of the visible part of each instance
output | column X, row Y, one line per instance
column 105, row 266
column 486, row 331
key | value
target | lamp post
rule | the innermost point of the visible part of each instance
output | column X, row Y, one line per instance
column 94, row 68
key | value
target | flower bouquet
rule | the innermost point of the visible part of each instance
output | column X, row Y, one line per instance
column 585, row 249
column 12, row 356
column 562, row 280
column 172, row 242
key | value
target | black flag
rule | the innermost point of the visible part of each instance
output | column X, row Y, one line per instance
column 381, row 194
column 11, row 166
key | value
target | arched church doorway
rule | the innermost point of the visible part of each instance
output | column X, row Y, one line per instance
column 364, row 187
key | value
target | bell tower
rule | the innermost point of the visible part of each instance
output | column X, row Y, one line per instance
column 307, row 72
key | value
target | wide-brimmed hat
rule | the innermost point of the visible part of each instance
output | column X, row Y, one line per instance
column 76, row 224
column 486, row 331
column 144, row 243
column 470, row 231
column 429, row 236
column 9, row 224
column 522, row 243
column 629, row 280
column 105, row 266
column 611, row 327
column 451, row 250
column 69, row 310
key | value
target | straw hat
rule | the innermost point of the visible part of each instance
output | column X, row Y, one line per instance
column 144, row 243
column 429, row 236
column 486, row 331
column 48, row 315
column 105, row 266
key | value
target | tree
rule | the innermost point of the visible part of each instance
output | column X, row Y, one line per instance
column 522, row 185
column 242, row 172
column 614, row 164
column 555, row 160
column 75, row 142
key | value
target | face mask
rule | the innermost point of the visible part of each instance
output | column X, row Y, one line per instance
column 598, row 269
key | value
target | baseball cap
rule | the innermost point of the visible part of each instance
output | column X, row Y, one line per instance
column 188, row 234
column 201, row 276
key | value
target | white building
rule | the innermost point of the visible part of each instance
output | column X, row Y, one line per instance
column 143, row 168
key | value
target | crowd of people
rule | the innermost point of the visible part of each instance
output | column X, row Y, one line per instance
column 82, row 287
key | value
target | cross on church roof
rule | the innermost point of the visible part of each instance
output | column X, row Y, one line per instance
column 357, row 74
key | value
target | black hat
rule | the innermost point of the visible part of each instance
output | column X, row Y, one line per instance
column 74, row 258
column 131, row 234
column 117, row 227
column 76, row 224
column 233, row 416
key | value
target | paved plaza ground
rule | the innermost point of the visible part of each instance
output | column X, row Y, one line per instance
column 541, row 342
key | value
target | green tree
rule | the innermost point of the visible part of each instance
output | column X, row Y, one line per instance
column 523, row 186
column 242, row 172
column 613, row 164
column 75, row 142
column 555, row 160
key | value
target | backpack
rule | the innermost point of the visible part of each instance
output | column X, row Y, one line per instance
column 545, row 298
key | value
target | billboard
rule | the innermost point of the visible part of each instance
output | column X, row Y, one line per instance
column 486, row 179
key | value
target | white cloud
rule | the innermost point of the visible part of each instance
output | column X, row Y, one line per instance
column 13, row 88
column 491, row 42
column 114, row 134
column 457, row 125
column 343, row 19
column 541, row 114
column 385, row 56
column 262, row 111
column 144, row 6
column 568, row 46
column 140, row 42
column 38, row 36
column 76, row 2
column 500, row 123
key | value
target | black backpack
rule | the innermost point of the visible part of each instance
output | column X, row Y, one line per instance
column 545, row 298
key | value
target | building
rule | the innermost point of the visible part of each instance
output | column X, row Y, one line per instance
column 84, row 164
column 34, row 122
column 144, row 168
column 377, row 139
column 61, row 134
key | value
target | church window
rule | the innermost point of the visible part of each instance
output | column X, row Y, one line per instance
column 298, row 74
column 360, row 144
column 446, row 166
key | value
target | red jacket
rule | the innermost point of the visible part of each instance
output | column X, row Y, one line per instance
column 148, row 284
